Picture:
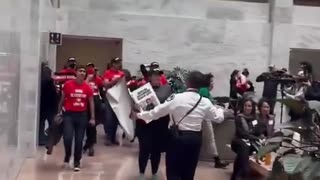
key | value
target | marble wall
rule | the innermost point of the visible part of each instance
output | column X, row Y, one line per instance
column 211, row 36
column 19, row 67
column 208, row 35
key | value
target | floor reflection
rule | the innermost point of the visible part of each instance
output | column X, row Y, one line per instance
column 110, row 163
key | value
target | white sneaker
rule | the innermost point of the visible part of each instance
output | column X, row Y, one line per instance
column 76, row 169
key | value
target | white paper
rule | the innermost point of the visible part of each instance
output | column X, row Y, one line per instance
column 120, row 101
column 255, row 122
column 145, row 97
column 270, row 122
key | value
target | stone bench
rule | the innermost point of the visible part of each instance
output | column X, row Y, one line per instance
column 224, row 134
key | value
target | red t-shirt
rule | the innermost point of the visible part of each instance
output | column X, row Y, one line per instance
column 111, row 74
column 67, row 70
column 96, row 84
column 76, row 96
column 163, row 79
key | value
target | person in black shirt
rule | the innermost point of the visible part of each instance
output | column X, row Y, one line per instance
column 153, row 137
column 270, row 87
column 233, row 89
column 48, row 102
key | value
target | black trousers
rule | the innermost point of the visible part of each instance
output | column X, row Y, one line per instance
column 183, row 155
column 91, row 131
column 44, row 116
column 111, row 123
column 148, row 150
column 241, row 163
column 74, row 125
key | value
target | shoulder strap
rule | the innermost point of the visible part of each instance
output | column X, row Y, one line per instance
column 190, row 110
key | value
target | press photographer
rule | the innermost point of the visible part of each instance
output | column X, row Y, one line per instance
column 271, row 80
column 146, row 68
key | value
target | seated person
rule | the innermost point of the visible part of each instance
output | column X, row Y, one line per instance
column 248, row 132
column 265, row 118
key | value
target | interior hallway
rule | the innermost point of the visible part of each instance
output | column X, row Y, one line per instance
column 110, row 163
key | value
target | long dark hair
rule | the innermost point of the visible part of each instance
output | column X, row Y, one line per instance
column 207, row 80
column 233, row 74
column 253, row 111
column 195, row 79
column 261, row 101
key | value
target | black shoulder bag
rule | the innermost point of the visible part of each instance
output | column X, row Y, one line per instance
column 174, row 128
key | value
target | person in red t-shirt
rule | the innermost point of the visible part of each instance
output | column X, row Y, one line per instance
column 96, row 84
column 111, row 77
column 74, row 101
column 70, row 67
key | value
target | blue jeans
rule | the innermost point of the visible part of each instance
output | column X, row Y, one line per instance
column 74, row 125
column 111, row 123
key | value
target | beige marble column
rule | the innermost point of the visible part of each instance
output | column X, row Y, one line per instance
column 281, row 29
column 28, row 112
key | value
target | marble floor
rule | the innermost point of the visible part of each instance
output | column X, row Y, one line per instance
column 110, row 163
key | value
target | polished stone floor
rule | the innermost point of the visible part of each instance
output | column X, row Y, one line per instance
column 110, row 163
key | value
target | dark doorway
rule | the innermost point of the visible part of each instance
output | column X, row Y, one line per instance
column 98, row 50
column 304, row 55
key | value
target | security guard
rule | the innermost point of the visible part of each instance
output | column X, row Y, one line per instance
column 188, row 110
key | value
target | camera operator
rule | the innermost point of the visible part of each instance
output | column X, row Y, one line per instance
column 297, row 92
column 306, row 69
column 270, row 86
column 146, row 68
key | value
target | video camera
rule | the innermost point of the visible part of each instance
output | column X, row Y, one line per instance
column 145, row 69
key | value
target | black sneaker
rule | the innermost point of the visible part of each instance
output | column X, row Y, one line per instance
column 108, row 142
column 116, row 143
column 85, row 148
column 91, row 152
column 49, row 149
column 221, row 164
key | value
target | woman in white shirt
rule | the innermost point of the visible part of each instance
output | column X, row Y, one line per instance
column 188, row 110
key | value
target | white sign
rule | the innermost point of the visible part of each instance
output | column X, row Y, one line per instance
column 145, row 97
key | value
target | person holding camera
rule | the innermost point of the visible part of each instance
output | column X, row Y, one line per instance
column 188, row 111
column 270, row 87
column 146, row 68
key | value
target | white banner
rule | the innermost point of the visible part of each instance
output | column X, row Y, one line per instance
column 120, row 101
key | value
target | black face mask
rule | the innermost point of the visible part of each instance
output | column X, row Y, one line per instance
column 73, row 65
